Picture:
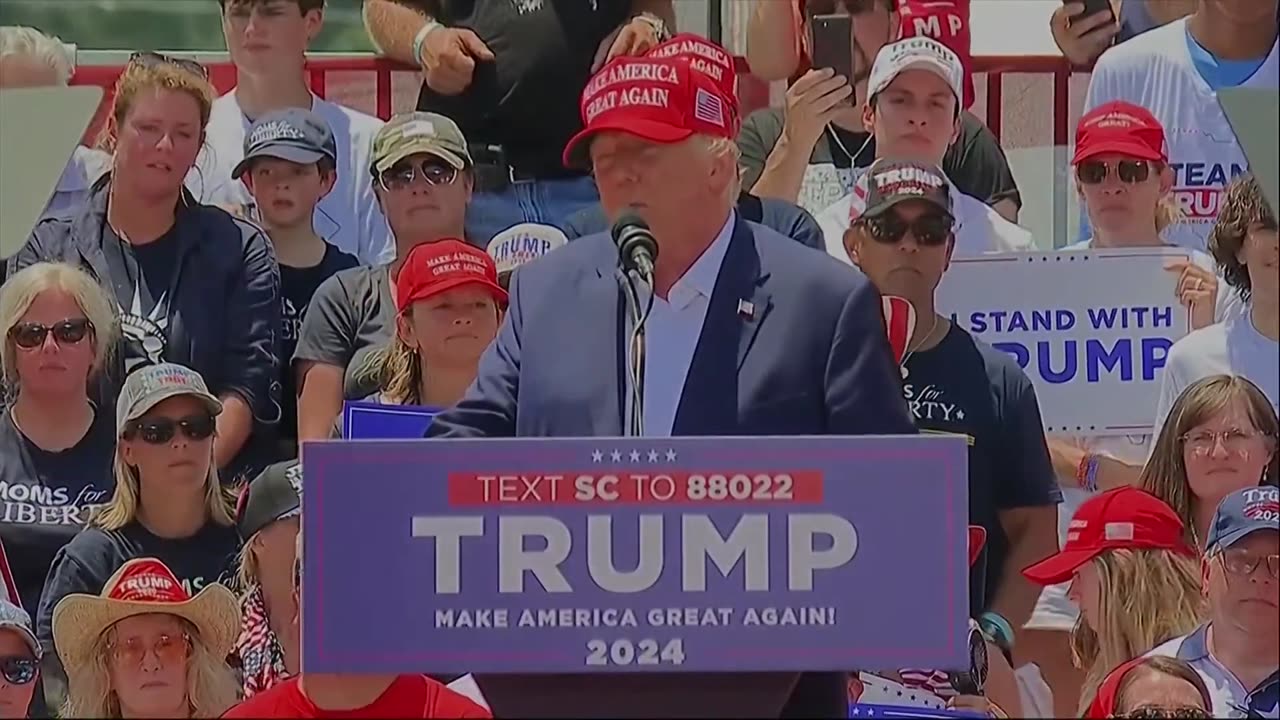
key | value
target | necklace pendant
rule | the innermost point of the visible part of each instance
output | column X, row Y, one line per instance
column 905, row 372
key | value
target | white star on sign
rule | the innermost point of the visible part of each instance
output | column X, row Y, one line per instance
column 653, row 456
column 635, row 456
column 671, row 456
column 615, row 456
column 959, row 414
column 596, row 456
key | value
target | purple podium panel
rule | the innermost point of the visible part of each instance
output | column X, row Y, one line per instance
column 635, row 555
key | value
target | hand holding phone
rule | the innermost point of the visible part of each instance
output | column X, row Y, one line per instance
column 1082, row 29
column 833, row 45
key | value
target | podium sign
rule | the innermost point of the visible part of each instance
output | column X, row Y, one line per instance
column 635, row 555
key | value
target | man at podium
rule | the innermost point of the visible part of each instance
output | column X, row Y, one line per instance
column 749, row 333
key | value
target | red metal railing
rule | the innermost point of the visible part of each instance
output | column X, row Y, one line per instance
column 387, row 98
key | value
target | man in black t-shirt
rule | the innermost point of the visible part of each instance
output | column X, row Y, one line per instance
column 290, row 164
column 510, row 73
column 956, row 384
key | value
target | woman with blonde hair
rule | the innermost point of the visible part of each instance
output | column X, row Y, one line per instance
column 194, row 285
column 147, row 647
column 1133, row 576
column 1220, row 437
column 59, row 329
column 168, row 503
column 267, row 518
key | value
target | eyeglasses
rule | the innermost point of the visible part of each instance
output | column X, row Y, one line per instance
column 162, row 430
column 1092, row 172
column 30, row 335
column 18, row 669
column 1234, row 440
column 400, row 175
column 1241, row 562
column 929, row 230
column 154, row 59
column 166, row 648
column 1155, row 712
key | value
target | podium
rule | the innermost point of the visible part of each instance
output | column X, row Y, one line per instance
column 636, row 577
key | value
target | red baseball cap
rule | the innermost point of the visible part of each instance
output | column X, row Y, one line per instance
column 1123, row 518
column 435, row 267
column 946, row 22
column 1122, row 128
column 1105, row 702
column 663, row 100
column 707, row 58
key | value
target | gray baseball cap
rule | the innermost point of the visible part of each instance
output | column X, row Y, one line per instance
column 293, row 134
column 1242, row 513
column 148, row 386
column 16, row 619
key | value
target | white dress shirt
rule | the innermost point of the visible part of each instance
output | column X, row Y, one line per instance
column 672, row 332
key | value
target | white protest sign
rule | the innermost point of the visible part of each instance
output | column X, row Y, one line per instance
column 1092, row 329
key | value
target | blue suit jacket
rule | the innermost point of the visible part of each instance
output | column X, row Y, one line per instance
column 812, row 358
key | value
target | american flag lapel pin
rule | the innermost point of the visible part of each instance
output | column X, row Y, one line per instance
column 746, row 309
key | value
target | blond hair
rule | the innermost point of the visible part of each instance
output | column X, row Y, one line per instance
column 138, row 78
column 122, row 509
column 1145, row 598
column 1165, row 474
column 21, row 290
column 211, row 685
column 19, row 40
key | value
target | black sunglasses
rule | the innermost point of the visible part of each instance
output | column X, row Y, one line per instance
column 30, row 335
column 401, row 175
column 18, row 670
column 162, row 430
column 148, row 58
column 929, row 230
column 1092, row 172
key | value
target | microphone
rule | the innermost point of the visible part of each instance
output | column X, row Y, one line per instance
column 637, row 248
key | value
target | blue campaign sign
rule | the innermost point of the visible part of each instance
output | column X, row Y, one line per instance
column 375, row 421
column 632, row 555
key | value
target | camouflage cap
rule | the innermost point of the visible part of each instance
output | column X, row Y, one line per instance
column 419, row 132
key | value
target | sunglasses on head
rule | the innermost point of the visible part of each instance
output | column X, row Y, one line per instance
column 152, row 59
column 929, row 230
column 19, row 669
column 30, row 335
column 1092, row 172
column 401, row 175
column 162, row 430
column 1153, row 712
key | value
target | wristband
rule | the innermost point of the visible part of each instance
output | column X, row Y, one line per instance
column 1087, row 473
column 658, row 24
column 421, row 39
column 998, row 629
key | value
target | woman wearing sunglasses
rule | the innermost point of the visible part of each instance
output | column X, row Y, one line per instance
column 1152, row 688
column 19, row 661
column 168, row 503
column 194, row 285
column 55, row 446
column 1124, row 183
column 147, row 647
column 423, row 178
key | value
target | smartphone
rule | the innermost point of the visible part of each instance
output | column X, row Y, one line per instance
column 833, row 44
column 1093, row 7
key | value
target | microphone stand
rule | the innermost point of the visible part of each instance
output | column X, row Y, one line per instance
column 638, row 308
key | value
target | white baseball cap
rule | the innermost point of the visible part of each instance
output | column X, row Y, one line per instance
column 916, row 53
column 521, row 243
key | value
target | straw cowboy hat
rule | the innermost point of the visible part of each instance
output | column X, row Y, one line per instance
column 142, row 586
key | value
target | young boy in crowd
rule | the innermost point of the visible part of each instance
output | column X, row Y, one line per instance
column 289, row 166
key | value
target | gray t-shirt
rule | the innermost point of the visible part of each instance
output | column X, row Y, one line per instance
column 351, row 316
